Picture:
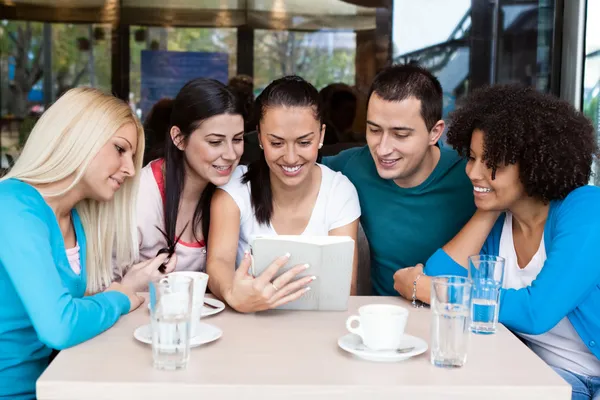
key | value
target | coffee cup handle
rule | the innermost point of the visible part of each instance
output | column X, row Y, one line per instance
column 358, row 329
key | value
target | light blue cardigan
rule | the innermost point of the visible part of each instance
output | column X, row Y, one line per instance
column 42, row 303
column 569, row 282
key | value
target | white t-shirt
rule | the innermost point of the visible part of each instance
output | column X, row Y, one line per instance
column 336, row 206
column 151, row 213
column 561, row 346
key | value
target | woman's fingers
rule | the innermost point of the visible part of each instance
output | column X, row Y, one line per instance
column 262, row 292
column 157, row 261
column 279, row 283
column 291, row 288
column 244, row 267
column 267, row 275
column 170, row 266
column 290, row 297
column 288, row 276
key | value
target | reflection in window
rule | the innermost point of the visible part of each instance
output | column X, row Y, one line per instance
column 471, row 43
column 436, row 37
column 525, row 43
column 80, row 56
column 321, row 58
column 591, row 77
column 22, row 67
column 217, row 40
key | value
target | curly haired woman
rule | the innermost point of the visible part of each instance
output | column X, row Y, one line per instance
column 529, row 159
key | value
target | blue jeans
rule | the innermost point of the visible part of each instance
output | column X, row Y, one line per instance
column 584, row 387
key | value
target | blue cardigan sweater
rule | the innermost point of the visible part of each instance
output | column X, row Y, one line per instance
column 42, row 303
column 569, row 282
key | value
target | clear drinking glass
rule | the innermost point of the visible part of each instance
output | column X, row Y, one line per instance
column 170, row 313
column 450, row 306
column 486, row 273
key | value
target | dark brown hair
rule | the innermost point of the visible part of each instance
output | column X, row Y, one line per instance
column 289, row 91
column 400, row 82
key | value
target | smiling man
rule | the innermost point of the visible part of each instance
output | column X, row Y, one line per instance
column 414, row 195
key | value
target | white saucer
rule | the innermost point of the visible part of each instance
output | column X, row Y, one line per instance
column 353, row 344
column 208, row 311
column 205, row 333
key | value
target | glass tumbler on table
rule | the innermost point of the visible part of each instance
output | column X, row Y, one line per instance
column 486, row 273
column 170, row 313
column 450, row 306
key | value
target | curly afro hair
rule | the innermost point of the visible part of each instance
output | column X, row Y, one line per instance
column 553, row 144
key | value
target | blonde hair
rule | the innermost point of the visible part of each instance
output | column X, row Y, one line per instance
column 62, row 144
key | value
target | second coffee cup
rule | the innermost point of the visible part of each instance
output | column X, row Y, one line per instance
column 381, row 326
column 200, row 281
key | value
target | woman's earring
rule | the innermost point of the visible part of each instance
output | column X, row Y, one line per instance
column 320, row 145
column 260, row 145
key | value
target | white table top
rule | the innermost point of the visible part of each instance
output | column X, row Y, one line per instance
column 294, row 355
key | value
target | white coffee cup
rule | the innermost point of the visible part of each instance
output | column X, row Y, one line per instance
column 381, row 326
column 200, row 282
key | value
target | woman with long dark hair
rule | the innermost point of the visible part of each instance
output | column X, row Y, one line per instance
column 202, row 150
column 284, row 192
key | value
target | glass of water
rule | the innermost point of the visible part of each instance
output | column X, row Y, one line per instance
column 450, row 306
column 170, row 313
column 486, row 273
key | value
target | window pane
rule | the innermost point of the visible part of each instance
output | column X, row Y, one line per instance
column 22, row 64
column 525, row 43
column 321, row 57
column 190, row 43
column 471, row 43
column 435, row 36
column 591, row 77
column 80, row 57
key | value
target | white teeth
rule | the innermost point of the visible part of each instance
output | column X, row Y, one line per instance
column 221, row 168
column 482, row 189
column 291, row 169
column 388, row 161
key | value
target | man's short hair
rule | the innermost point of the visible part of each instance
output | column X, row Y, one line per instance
column 400, row 82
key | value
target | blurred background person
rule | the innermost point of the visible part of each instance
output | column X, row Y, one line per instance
column 155, row 129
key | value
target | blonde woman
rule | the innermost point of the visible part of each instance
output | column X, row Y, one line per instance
column 65, row 207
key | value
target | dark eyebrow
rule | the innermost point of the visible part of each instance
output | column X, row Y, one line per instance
column 394, row 128
column 373, row 123
column 221, row 136
column 402, row 128
column 301, row 137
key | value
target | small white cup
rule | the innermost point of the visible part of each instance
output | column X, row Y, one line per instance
column 200, row 282
column 381, row 326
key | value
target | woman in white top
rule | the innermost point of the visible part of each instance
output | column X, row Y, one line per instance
column 285, row 192
column 203, row 149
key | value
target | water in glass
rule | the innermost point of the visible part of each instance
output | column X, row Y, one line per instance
column 170, row 314
column 486, row 273
column 450, row 309
column 170, row 338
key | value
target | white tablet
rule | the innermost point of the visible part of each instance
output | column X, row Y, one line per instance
column 330, row 259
